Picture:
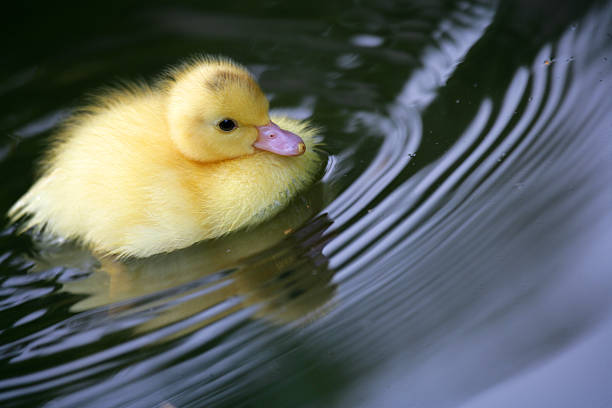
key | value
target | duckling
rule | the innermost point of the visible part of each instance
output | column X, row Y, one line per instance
column 148, row 169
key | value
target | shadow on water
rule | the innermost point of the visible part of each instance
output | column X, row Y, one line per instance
column 456, row 242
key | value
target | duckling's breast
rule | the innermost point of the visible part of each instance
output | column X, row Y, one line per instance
column 248, row 190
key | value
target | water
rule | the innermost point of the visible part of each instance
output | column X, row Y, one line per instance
column 455, row 252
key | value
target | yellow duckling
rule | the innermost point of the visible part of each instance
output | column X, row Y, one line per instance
column 151, row 169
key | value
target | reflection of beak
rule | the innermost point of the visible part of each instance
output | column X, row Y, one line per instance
column 276, row 140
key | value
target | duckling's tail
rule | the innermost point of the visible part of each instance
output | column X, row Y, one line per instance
column 23, row 214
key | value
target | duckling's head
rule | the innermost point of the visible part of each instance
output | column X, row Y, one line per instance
column 216, row 111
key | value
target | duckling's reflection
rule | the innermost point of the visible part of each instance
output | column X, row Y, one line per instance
column 277, row 267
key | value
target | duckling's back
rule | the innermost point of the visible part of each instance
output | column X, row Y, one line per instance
column 101, row 175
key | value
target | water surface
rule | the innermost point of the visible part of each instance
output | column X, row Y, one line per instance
column 454, row 253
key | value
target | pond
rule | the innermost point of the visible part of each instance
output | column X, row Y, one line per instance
column 455, row 251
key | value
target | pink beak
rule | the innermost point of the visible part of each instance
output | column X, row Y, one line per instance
column 276, row 140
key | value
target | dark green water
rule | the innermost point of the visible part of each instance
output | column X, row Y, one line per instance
column 456, row 251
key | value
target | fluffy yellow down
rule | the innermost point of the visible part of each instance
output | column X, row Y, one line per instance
column 143, row 170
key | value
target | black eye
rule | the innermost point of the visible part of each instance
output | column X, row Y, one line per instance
column 227, row 125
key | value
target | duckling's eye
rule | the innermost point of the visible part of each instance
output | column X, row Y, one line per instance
column 227, row 125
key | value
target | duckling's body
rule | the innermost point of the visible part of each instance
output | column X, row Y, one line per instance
column 125, row 181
